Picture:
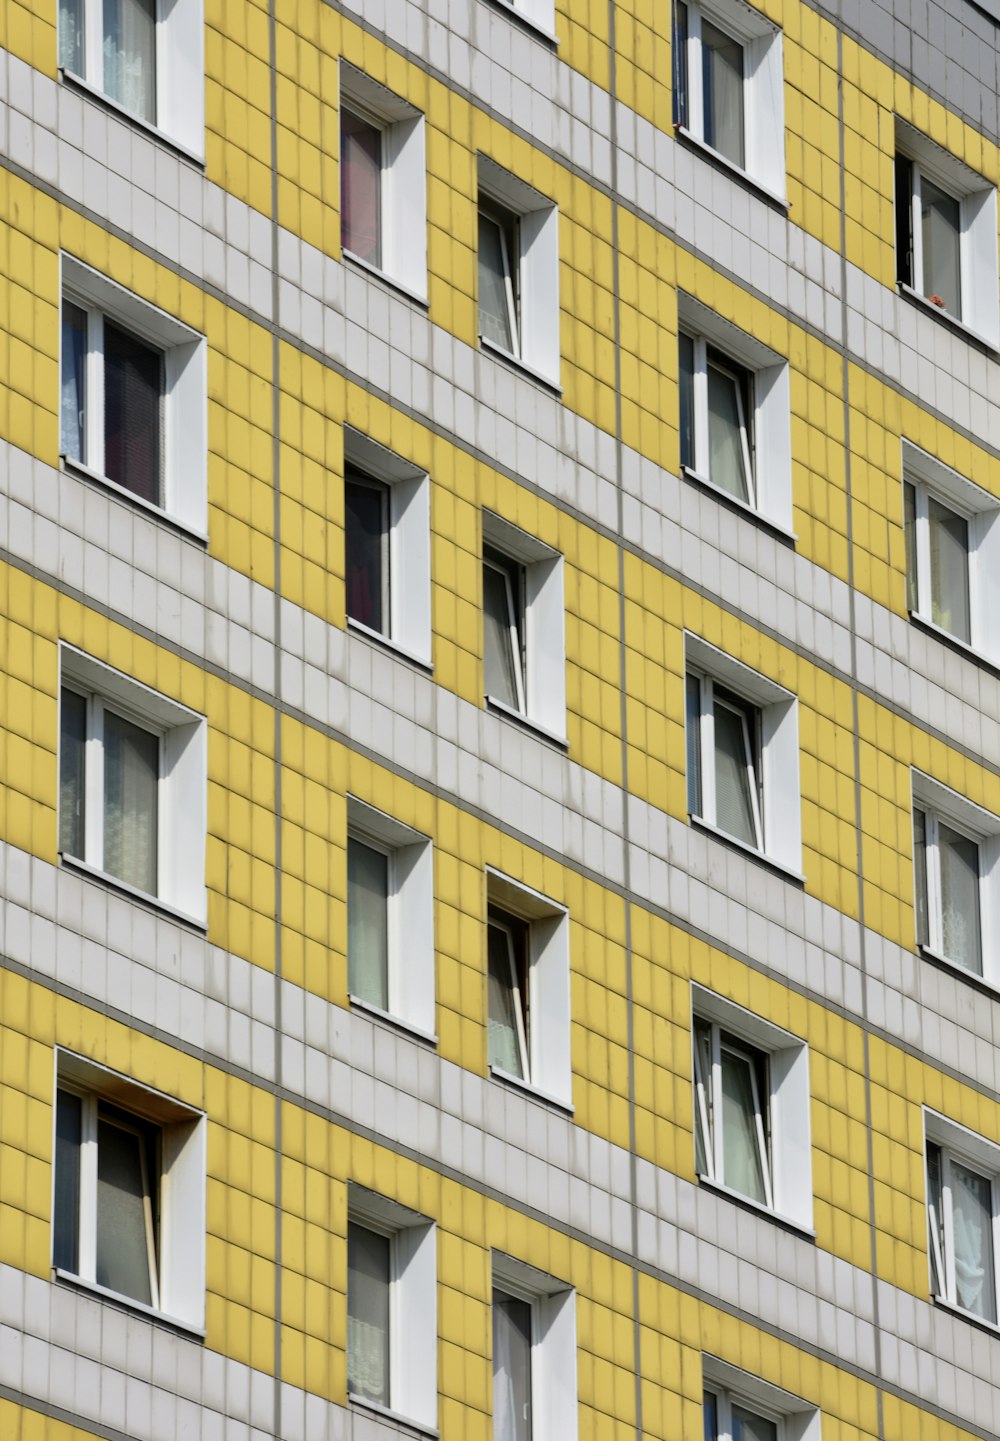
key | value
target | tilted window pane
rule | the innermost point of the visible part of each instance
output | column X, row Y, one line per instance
column 123, row 1222
column 511, row 1368
column 360, row 187
column 71, row 37
column 686, row 386
column 741, row 1157
column 726, row 434
column 733, row 804
column 368, row 1262
column 72, row 399
column 504, row 1037
column 366, row 514
column 692, row 724
column 959, row 860
column 748, row 1426
column 941, row 228
column 972, row 1223
column 704, row 1141
column 501, row 663
column 910, row 538
column 131, row 776
column 130, row 55
column 722, row 84
column 367, row 923
column 949, row 537
column 132, row 391
column 72, row 771
column 495, row 275
column 66, row 1202
column 935, row 1220
column 920, row 874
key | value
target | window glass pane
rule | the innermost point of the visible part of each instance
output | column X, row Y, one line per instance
column 71, row 48
column 132, row 388
column 511, row 1368
column 66, row 1203
column 747, row 1426
column 704, row 1155
column 686, row 383
column 366, row 515
column 692, row 728
column 722, row 82
column 130, row 55
column 972, row 1222
column 360, row 187
column 72, row 400
column 131, row 776
column 920, row 874
column 959, row 860
column 367, row 923
column 741, row 1157
column 680, row 63
column 123, row 1234
column 935, row 1220
column 495, row 278
column 727, row 434
column 503, row 1001
column 368, row 1260
column 501, row 665
column 72, row 771
column 711, row 1419
column 940, row 224
column 949, row 537
column 733, row 806
column 910, row 538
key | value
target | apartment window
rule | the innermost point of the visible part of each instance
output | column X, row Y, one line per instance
column 524, row 647
column 742, row 755
column 963, row 1217
column 741, row 1407
column 534, row 1355
column 129, row 1194
column 518, row 243
column 144, row 56
column 390, row 917
column 133, row 396
column 391, row 1308
column 132, row 783
column 751, row 1104
column 728, row 86
column 734, row 413
column 946, row 232
column 383, row 180
column 956, row 870
column 527, row 961
column 387, row 546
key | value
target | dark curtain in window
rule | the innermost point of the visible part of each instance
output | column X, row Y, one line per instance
column 132, row 386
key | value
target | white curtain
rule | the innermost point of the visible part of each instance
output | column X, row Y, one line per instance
column 130, row 55
column 959, row 860
column 511, row 1368
column 71, row 43
column 368, row 1256
column 726, row 467
column 740, row 1153
column 504, row 1043
column 722, row 82
column 949, row 537
column 972, row 1220
column 940, row 227
column 123, row 1213
column 733, row 806
column 367, row 923
column 131, row 777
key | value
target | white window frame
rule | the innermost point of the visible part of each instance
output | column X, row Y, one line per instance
column 545, row 1040
column 983, row 1157
column 978, row 259
column 930, row 477
column 539, row 14
column 184, row 394
column 778, row 789
column 409, row 916
column 795, row 1418
column 413, row 1331
column 536, row 267
column 407, row 549
column 403, row 193
column 763, row 89
column 542, row 678
column 179, row 1276
column 787, row 1121
column 554, row 1396
column 708, row 1097
column 179, row 71
column 769, row 458
column 181, row 788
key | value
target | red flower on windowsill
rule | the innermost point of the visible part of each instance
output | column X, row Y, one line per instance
column 937, row 300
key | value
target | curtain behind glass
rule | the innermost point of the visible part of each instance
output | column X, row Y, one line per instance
column 72, row 400
column 365, row 508
column 360, row 187
column 726, row 464
column 72, row 772
column 499, row 629
column 941, row 227
column 131, row 776
column 511, row 1368
column 122, row 1229
column 959, row 860
column 130, row 55
column 367, row 923
column 920, row 874
column 722, row 82
column 949, row 537
column 132, row 389
column 66, row 1202
column 71, row 38
column 368, row 1258
column 733, row 806
column 741, row 1160
column 747, row 1426
column 505, row 1046
column 686, row 384
column 972, row 1221
column 910, row 539
column 494, row 313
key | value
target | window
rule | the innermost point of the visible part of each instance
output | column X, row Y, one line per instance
column 534, row 1355
column 538, row 13
column 740, row 1407
column 518, row 271
column 390, row 917
column 133, row 396
column 129, row 1191
column 524, row 642
column 146, row 56
column 391, row 1308
column 734, row 413
column 956, row 872
column 132, row 784
column 963, row 1216
column 528, row 1005
column 383, row 181
column 728, row 86
column 742, row 755
column 751, row 1107
column 946, row 233
column 387, row 546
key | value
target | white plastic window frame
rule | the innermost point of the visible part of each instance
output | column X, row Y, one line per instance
column 180, row 1234
column 536, row 267
column 403, row 183
column 548, row 1068
column 179, row 68
column 501, row 921
column 407, row 553
column 709, row 1108
column 788, row 1105
column 778, row 787
column 554, row 1398
column 181, row 789
column 413, row 1331
column 983, row 1157
column 184, row 400
column 770, row 457
column 763, row 89
column 795, row 1419
column 543, row 624
column 409, row 916
column 710, row 696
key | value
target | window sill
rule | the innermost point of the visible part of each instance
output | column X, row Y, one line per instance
column 128, row 1303
column 401, row 1419
column 527, row 22
column 955, row 968
column 952, row 321
column 779, row 867
column 767, row 1213
column 990, row 1327
column 722, row 162
column 398, row 1023
column 516, row 363
column 386, row 642
column 377, row 273
column 535, row 727
column 85, row 472
column 77, row 82
column 175, row 913
column 779, row 531
column 953, row 642
column 535, row 1093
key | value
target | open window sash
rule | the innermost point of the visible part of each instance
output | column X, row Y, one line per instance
column 964, row 1230
column 731, row 1132
column 502, row 625
column 498, row 293
column 948, row 881
column 727, row 782
column 508, row 1041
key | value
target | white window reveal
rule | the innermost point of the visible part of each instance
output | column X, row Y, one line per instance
column 518, row 271
column 742, row 1407
column 956, row 876
column 963, row 1217
column 524, row 634
column 534, row 1355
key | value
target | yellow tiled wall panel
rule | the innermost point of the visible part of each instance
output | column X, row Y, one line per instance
column 20, row 1423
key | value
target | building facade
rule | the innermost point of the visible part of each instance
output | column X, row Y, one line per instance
column 500, row 765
